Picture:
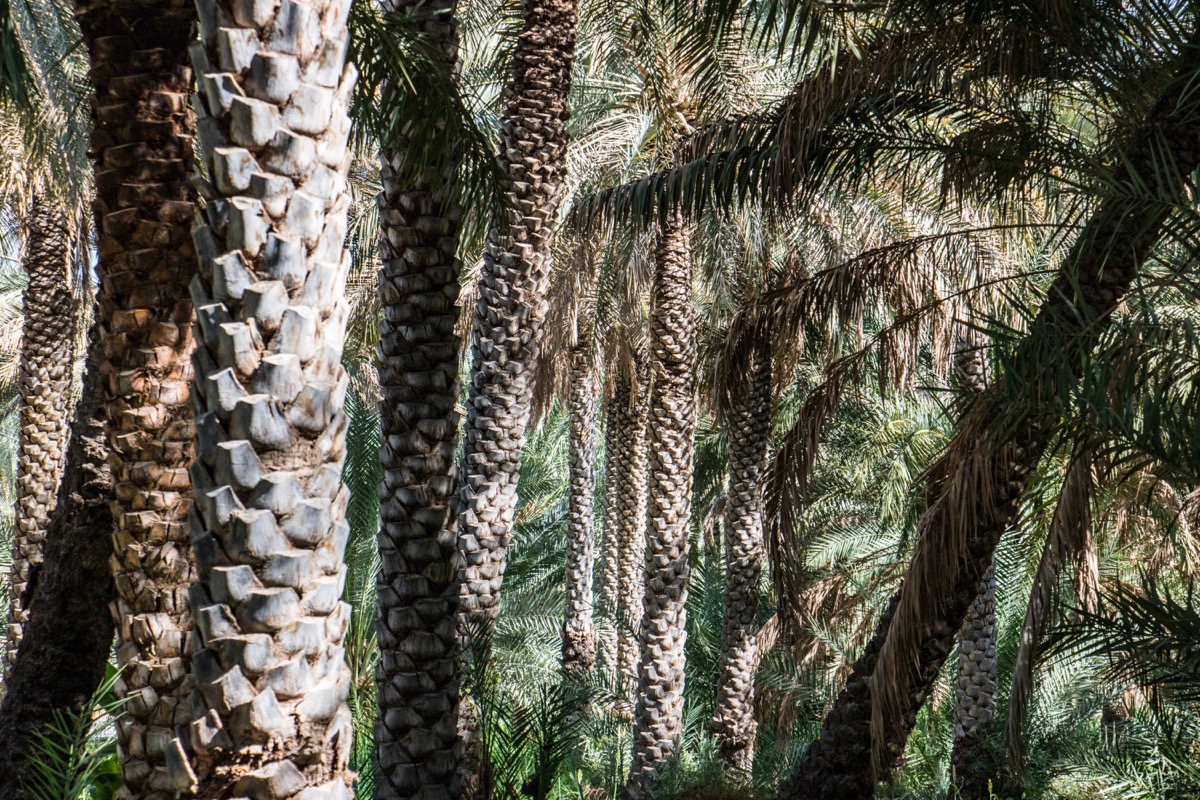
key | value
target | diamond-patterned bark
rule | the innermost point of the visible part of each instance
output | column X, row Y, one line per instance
column 606, row 593
column 749, row 426
column 44, row 386
column 579, row 631
column 269, row 719
column 512, row 299
column 142, row 146
column 418, row 677
column 658, row 716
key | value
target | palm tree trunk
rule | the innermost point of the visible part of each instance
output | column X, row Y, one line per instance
column 271, row 719
column 658, row 718
column 69, row 630
column 142, row 143
column 981, row 481
column 579, row 632
column 418, row 675
column 629, row 463
column 44, row 383
column 512, row 302
column 975, row 689
column 749, row 421
column 606, row 597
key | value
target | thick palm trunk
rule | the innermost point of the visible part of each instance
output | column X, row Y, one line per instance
column 270, row 718
column 980, row 482
column 418, row 675
column 629, row 463
column 658, row 717
column 142, row 143
column 607, row 594
column 749, row 424
column 69, row 630
column 975, row 687
column 579, row 632
column 512, row 301
column 44, row 385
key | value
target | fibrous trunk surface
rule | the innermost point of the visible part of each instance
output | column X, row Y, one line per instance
column 512, row 300
column 606, row 593
column 270, row 718
column 980, row 482
column 579, row 631
column 142, row 146
column 749, row 425
column 627, row 464
column 975, row 693
column 44, row 385
column 69, row 631
column 418, row 590
column 658, row 716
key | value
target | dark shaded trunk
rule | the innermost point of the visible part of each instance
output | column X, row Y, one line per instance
column 982, row 476
column 579, row 631
column 69, row 631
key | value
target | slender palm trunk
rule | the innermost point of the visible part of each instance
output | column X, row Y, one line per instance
column 69, row 630
column 630, row 462
column 418, row 675
column 606, row 596
column 512, row 302
column 658, row 718
column 270, row 718
column 975, row 687
column 142, row 143
column 579, row 632
column 980, row 482
column 44, row 384
column 749, row 422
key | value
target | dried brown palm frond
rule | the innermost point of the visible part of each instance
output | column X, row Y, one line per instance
column 1069, row 538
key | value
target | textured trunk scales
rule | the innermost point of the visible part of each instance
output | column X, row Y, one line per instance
column 418, row 591
column 44, row 385
column 69, row 631
column 749, row 424
column 142, row 146
column 579, row 632
column 658, row 717
column 270, row 719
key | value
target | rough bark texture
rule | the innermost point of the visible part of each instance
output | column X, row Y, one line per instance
column 418, row 675
column 270, row 718
column 142, row 146
column 579, row 632
column 69, row 631
column 975, row 694
column 628, row 463
column 658, row 717
column 749, row 426
column 982, row 481
column 975, row 689
column 44, row 386
column 512, row 300
column 607, row 594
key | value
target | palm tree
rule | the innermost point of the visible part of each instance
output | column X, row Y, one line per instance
column 418, row 589
column 749, row 424
column 658, row 715
column 507, row 325
column 579, row 632
column 142, row 143
column 271, row 717
column 46, row 373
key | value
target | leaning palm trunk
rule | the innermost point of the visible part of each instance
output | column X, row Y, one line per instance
column 579, row 632
column 749, row 423
column 658, row 717
column 512, row 302
column 975, row 687
column 69, row 630
column 44, row 385
column 979, row 481
column 271, row 719
column 142, row 143
column 418, row 675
